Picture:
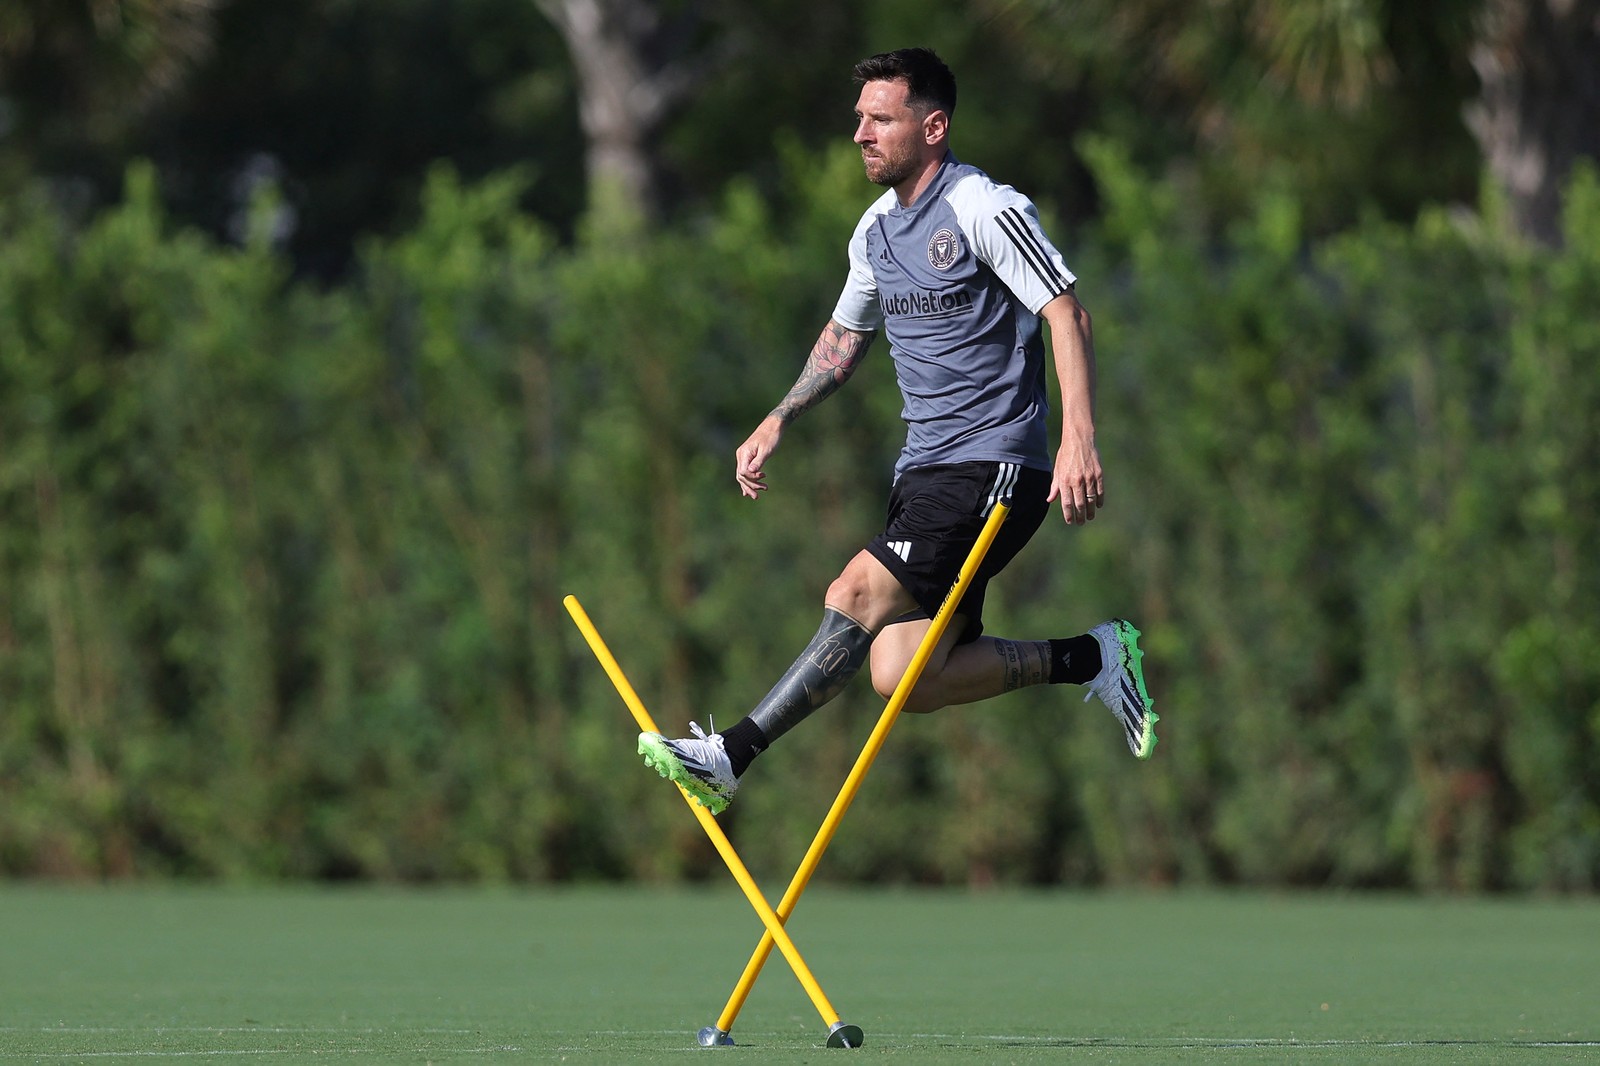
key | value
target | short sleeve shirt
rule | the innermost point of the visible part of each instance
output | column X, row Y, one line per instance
column 956, row 281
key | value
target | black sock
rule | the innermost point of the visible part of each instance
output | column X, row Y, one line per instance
column 1074, row 660
column 743, row 742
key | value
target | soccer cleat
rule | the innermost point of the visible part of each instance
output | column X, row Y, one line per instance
column 698, row 763
column 1120, row 684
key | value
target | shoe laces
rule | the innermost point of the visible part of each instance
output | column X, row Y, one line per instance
column 713, row 738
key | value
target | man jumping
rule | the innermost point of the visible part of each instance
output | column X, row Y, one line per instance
column 958, row 273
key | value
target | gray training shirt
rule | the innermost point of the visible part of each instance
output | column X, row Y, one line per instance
column 957, row 281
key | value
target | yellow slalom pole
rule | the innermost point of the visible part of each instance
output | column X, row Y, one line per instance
column 858, row 773
column 840, row 1034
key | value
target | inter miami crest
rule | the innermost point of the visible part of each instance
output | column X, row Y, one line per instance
column 943, row 249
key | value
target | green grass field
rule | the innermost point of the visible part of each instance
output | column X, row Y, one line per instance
column 628, row 975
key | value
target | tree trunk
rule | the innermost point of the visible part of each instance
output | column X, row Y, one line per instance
column 634, row 70
column 1539, row 107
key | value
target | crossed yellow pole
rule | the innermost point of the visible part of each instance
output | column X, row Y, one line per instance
column 858, row 773
column 840, row 1034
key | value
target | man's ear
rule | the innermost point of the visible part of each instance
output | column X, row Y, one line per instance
column 936, row 126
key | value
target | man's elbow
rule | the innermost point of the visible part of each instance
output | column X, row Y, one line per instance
column 1067, row 312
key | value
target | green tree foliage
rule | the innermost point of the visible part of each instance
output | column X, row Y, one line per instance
column 82, row 73
column 343, row 104
column 281, row 574
column 1354, row 104
column 347, row 103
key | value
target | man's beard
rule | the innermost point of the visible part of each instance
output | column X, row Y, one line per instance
column 890, row 172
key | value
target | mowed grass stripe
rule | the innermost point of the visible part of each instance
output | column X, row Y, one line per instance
column 629, row 975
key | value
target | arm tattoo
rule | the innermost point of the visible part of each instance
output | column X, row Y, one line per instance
column 833, row 359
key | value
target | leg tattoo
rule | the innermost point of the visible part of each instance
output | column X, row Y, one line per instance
column 832, row 658
column 1025, row 662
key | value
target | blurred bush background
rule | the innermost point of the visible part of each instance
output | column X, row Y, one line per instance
column 339, row 339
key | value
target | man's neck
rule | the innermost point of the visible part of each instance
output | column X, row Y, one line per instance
column 908, row 191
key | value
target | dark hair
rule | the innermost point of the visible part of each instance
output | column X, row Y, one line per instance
column 929, row 83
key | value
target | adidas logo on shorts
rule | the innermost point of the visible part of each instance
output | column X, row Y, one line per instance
column 901, row 548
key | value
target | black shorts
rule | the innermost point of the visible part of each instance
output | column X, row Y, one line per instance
column 935, row 516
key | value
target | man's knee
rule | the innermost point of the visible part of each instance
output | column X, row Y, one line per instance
column 868, row 593
column 889, row 664
column 886, row 673
column 850, row 594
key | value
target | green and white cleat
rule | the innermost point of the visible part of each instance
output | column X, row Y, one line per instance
column 1120, row 684
column 698, row 763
